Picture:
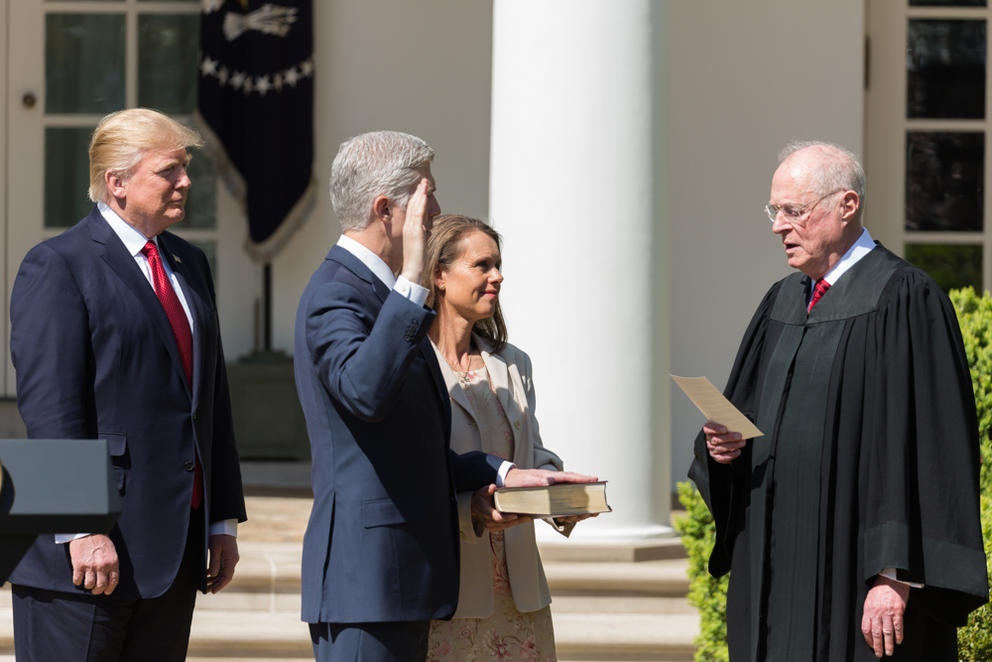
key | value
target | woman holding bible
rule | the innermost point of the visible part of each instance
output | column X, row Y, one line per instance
column 503, row 605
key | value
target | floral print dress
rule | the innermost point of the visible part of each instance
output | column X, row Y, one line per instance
column 506, row 634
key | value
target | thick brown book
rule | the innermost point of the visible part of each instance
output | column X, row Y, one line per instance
column 558, row 500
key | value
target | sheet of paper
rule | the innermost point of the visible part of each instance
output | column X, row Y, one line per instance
column 715, row 407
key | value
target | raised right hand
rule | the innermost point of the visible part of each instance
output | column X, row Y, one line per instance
column 415, row 232
column 724, row 446
column 94, row 564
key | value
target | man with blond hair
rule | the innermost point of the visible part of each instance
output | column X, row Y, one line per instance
column 850, row 528
column 114, row 336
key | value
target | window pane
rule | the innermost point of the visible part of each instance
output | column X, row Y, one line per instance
column 84, row 63
column 66, row 176
column 945, row 68
column 947, row 3
column 168, row 48
column 944, row 187
column 201, row 205
column 950, row 266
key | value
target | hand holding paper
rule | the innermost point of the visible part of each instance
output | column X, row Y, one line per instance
column 723, row 446
column 715, row 407
column 727, row 429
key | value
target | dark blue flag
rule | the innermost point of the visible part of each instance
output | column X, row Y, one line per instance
column 255, row 110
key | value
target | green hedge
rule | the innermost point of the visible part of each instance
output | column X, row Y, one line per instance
column 696, row 527
column 975, row 638
column 975, row 318
column 706, row 594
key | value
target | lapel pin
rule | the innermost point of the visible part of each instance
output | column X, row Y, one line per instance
column 176, row 258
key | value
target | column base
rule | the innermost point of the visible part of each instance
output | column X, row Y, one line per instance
column 629, row 544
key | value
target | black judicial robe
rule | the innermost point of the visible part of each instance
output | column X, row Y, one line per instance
column 869, row 461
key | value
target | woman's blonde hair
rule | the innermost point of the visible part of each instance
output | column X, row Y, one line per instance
column 122, row 138
column 442, row 249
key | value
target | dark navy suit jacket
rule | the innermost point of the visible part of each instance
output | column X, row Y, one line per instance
column 95, row 358
column 382, row 542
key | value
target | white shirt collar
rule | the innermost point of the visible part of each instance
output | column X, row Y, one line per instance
column 133, row 240
column 861, row 247
column 369, row 259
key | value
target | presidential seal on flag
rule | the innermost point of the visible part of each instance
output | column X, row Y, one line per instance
column 255, row 109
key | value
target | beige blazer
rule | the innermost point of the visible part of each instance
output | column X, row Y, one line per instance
column 510, row 372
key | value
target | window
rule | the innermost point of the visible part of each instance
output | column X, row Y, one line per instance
column 70, row 62
column 928, row 136
column 88, row 73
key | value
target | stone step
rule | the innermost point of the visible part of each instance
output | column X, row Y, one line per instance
column 663, row 578
column 631, row 604
column 268, row 579
column 554, row 549
column 218, row 634
column 237, row 627
column 611, row 602
column 254, row 636
column 625, row 636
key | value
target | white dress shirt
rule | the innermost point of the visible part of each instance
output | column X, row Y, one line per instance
column 861, row 247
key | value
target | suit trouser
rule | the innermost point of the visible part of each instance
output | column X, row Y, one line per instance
column 80, row 627
column 370, row 642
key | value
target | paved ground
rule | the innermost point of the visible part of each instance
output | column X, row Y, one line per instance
column 605, row 608
column 275, row 518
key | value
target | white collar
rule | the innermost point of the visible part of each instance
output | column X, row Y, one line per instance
column 133, row 240
column 369, row 259
column 861, row 247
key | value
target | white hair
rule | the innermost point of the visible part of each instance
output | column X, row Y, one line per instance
column 839, row 168
column 388, row 163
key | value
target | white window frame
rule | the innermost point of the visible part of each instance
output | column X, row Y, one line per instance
column 886, row 126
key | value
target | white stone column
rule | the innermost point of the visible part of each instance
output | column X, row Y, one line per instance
column 575, row 189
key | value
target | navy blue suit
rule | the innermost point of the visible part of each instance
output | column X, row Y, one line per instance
column 382, row 542
column 96, row 358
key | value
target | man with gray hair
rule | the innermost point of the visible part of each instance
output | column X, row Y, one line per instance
column 380, row 555
column 851, row 527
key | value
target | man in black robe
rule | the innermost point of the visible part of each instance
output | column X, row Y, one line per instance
column 851, row 528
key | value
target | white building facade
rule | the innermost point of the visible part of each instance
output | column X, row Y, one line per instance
column 624, row 150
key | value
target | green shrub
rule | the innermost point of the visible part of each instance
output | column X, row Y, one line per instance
column 975, row 319
column 975, row 638
column 707, row 594
column 696, row 527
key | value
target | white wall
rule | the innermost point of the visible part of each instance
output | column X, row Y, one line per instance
column 744, row 78
column 421, row 67
column 741, row 80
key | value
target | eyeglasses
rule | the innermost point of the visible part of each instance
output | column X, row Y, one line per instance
column 796, row 215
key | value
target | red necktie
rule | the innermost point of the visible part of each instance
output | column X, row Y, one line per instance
column 818, row 290
column 180, row 329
